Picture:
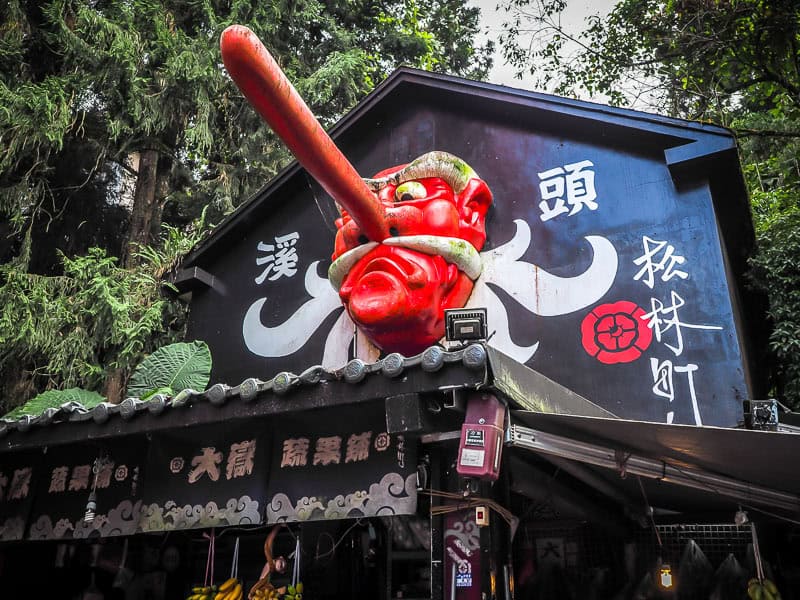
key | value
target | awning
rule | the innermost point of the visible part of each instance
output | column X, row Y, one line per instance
column 680, row 467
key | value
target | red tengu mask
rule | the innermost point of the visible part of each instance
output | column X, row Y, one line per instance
column 396, row 291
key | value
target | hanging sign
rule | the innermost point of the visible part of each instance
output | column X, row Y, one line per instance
column 206, row 477
column 18, row 473
column 68, row 479
column 341, row 464
column 462, row 563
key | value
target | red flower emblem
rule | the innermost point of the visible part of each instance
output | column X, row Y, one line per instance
column 616, row 333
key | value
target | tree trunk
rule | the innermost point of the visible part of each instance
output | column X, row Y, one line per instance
column 114, row 387
column 145, row 206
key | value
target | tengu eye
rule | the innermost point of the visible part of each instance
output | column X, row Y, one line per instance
column 410, row 190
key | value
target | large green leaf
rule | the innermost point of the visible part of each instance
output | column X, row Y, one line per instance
column 55, row 398
column 174, row 368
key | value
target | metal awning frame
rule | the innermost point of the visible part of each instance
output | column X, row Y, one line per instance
column 550, row 444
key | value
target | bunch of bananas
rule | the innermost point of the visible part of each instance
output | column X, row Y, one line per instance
column 269, row 592
column 230, row 590
column 294, row 592
column 203, row 593
column 762, row 590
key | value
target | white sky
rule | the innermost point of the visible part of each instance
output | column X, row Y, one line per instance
column 573, row 20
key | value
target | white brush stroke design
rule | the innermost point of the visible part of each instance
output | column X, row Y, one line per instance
column 538, row 291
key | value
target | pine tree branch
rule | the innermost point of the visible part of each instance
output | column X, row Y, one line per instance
column 743, row 133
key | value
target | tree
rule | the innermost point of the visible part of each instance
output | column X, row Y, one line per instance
column 116, row 116
column 735, row 62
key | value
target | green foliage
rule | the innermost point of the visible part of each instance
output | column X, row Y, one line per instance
column 77, row 328
column 776, row 267
column 54, row 399
column 89, row 87
column 125, row 77
column 171, row 369
column 735, row 62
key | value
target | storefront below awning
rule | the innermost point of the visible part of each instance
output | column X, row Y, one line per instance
column 671, row 467
column 330, row 464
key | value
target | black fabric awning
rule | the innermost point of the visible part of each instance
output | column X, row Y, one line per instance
column 690, row 468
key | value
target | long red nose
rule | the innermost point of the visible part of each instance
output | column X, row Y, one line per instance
column 266, row 87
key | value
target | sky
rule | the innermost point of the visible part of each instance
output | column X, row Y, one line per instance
column 572, row 18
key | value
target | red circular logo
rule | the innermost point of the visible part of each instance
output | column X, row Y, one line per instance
column 616, row 333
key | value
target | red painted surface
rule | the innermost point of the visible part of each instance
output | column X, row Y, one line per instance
column 616, row 333
column 269, row 91
column 397, row 296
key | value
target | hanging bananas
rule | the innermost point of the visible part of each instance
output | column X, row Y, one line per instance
column 294, row 592
column 762, row 590
column 269, row 592
column 230, row 590
column 203, row 593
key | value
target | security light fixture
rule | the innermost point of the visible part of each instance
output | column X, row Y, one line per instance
column 761, row 414
column 465, row 324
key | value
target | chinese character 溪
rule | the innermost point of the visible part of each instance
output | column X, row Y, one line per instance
column 281, row 259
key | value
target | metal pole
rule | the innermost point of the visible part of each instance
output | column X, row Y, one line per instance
column 564, row 447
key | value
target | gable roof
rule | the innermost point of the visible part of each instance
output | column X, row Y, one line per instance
column 688, row 145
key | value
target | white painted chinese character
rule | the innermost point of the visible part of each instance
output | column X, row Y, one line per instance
column 568, row 185
column 58, row 480
column 689, row 370
column 20, row 484
column 206, row 463
column 358, row 447
column 295, row 452
column 281, row 260
column 105, row 469
column 670, row 320
column 401, row 451
column 240, row 459
column 666, row 265
column 663, row 385
column 551, row 187
column 328, row 451
column 580, row 186
column 80, row 478
column 176, row 464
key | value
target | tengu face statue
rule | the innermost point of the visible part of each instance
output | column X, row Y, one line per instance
column 408, row 240
column 396, row 291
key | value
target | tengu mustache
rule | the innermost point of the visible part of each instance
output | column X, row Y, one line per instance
column 455, row 251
